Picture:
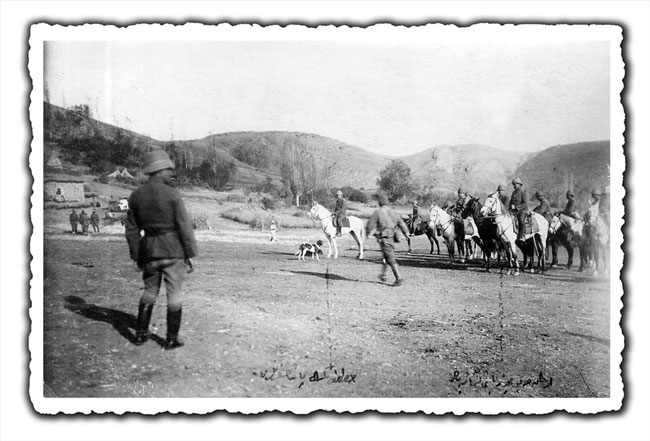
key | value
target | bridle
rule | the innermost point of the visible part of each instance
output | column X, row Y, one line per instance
column 315, row 216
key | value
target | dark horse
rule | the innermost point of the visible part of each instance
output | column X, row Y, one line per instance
column 424, row 227
column 490, row 243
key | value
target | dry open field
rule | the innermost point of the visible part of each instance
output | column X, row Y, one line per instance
column 259, row 323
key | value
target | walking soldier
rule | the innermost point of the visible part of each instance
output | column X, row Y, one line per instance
column 167, row 248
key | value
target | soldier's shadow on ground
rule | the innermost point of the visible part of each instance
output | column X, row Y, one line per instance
column 122, row 322
column 322, row 275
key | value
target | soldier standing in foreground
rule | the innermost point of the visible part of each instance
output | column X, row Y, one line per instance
column 383, row 221
column 167, row 248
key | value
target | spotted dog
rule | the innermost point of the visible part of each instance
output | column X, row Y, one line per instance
column 310, row 248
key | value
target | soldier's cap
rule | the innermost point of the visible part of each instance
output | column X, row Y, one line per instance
column 155, row 161
column 538, row 194
column 339, row 193
column 382, row 198
column 517, row 181
column 569, row 193
column 595, row 192
column 415, row 202
column 501, row 187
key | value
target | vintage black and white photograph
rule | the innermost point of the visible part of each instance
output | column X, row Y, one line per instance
column 256, row 212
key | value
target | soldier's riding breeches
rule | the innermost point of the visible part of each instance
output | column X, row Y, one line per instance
column 173, row 272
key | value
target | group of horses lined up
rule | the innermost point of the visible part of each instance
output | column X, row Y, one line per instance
column 490, row 229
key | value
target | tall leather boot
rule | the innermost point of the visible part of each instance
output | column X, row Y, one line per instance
column 142, row 325
column 173, row 326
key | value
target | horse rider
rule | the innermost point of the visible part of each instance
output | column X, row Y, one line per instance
column 463, row 199
column 502, row 197
column 74, row 220
column 340, row 211
column 166, row 250
column 415, row 218
column 383, row 222
column 570, row 207
column 519, row 206
column 544, row 207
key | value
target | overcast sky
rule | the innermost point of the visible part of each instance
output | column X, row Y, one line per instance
column 393, row 99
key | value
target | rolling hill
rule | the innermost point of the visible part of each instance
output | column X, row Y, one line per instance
column 260, row 156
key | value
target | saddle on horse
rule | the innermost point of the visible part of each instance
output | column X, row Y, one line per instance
column 530, row 224
column 341, row 223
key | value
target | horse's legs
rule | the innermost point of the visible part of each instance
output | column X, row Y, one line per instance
column 359, row 242
column 329, row 246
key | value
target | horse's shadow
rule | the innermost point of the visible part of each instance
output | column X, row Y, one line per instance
column 122, row 322
column 326, row 276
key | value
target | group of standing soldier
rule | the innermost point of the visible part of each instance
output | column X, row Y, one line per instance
column 84, row 221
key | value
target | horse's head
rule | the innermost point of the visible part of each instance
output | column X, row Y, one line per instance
column 554, row 225
column 490, row 205
column 470, row 208
column 434, row 214
column 313, row 212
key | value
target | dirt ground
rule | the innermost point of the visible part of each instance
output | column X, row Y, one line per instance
column 259, row 323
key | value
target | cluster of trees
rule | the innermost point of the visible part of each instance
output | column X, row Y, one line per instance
column 396, row 181
column 214, row 170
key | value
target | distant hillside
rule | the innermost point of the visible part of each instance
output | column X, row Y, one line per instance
column 349, row 165
column 477, row 168
column 580, row 167
column 260, row 157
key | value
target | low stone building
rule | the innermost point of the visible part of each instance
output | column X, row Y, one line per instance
column 64, row 191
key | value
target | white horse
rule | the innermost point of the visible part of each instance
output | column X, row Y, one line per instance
column 442, row 220
column 356, row 229
column 505, row 222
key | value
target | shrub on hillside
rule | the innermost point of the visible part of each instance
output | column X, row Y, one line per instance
column 103, row 179
column 200, row 221
column 268, row 203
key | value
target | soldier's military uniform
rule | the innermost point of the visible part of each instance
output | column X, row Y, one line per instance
column 463, row 199
column 340, row 211
column 74, row 221
column 84, row 220
column 544, row 207
column 519, row 206
column 502, row 197
column 570, row 207
column 383, row 222
column 168, row 245
column 415, row 217
column 94, row 221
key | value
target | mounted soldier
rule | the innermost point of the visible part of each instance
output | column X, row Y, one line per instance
column 461, row 203
column 340, row 212
column 519, row 206
column 415, row 217
column 544, row 207
column 570, row 207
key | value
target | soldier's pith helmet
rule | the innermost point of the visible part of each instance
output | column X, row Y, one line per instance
column 517, row 181
column 501, row 187
column 155, row 161
column 595, row 192
column 569, row 193
column 339, row 193
column 415, row 202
